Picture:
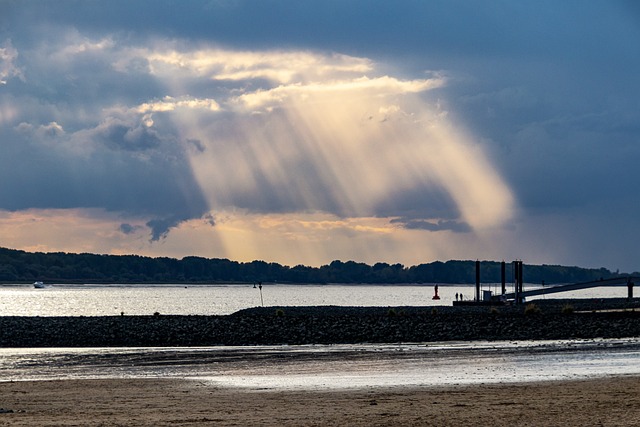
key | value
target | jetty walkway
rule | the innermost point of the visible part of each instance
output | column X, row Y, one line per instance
column 627, row 281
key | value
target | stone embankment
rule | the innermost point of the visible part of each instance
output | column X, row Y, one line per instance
column 554, row 319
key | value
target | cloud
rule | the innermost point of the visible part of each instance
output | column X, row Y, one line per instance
column 117, row 166
column 276, row 66
column 128, row 228
column 119, row 134
column 413, row 224
column 167, row 118
column 50, row 130
column 170, row 104
column 8, row 66
column 333, row 135
column 344, row 148
column 68, row 230
column 362, row 86
column 160, row 226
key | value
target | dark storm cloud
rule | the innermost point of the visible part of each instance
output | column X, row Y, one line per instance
column 123, row 175
column 419, row 203
column 70, row 140
column 128, row 228
column 453, row 27
column 160, row 227
column 120, row 135
column 417, row 224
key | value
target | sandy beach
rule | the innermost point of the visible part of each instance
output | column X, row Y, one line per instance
column 611, row 401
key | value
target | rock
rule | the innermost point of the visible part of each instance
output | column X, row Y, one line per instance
column 325, row 325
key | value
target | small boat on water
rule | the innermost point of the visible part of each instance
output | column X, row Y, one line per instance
column 39, row 285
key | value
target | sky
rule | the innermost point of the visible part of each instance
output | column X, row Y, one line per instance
column 301, row 132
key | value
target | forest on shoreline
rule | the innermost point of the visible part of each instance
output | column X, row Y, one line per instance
column 18, row 266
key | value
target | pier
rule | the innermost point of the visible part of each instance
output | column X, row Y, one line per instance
column 519, row 295
column 627, row 281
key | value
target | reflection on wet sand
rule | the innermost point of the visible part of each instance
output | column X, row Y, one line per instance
column 336, row 366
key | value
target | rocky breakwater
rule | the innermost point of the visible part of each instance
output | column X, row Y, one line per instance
column 332, row 325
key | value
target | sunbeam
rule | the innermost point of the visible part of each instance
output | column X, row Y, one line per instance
column 349, row 150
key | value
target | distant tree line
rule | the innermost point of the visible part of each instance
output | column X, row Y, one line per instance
column 19, row 266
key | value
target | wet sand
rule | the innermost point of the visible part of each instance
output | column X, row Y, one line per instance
column 613, row 401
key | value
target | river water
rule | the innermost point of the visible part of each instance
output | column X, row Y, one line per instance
column 111, row 300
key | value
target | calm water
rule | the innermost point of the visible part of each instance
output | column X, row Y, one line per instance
column 98, row 300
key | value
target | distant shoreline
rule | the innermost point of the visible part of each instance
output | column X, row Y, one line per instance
column 60, row 267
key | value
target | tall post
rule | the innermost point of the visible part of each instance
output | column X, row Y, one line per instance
column 520, row 276
column 503, row 274
column 629, row 290
column 518, row 279
column 477, row 280
column 516, row 282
